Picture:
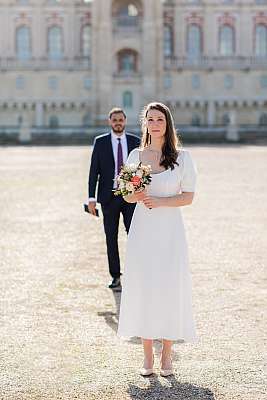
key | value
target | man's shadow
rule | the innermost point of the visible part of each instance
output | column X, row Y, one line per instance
column 156, row 390
column 112, row 318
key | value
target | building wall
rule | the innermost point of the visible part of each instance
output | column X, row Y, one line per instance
column 81, row 89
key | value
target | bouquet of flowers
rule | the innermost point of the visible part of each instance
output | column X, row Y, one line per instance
column 132, row 178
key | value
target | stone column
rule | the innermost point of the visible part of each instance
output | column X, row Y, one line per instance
column 102, row 59
column 25, row 130
column 152, row 49
column 210, row 32
column 232, row 129
column 245, row 33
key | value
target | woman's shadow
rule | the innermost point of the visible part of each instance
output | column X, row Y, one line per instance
column 156, row 390
column 174, row 391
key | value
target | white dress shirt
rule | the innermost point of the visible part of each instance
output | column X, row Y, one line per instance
column 115, row 143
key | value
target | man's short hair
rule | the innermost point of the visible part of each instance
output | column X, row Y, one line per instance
column 116, row 110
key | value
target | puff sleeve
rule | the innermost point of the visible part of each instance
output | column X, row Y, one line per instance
column 189, row 174
column 133, row 157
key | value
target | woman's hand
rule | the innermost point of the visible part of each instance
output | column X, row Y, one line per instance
column 140, row 195
column 136, row 196
column 152, row 202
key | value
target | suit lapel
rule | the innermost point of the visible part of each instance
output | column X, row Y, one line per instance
column 110, row 154
column 129, row 145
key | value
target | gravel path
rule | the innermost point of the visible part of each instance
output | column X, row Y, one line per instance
column 58, row 320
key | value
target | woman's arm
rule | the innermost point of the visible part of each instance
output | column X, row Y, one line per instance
column 183, row 199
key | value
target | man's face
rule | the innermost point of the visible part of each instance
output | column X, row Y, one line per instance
column 117, row 123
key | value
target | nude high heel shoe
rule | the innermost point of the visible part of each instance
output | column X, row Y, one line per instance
column 147, row 371
column 166, row 372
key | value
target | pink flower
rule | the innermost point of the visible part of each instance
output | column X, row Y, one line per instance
column 135, row 180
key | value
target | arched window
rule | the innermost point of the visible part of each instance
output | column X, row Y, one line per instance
column 226, row 40
column 127, row 99
column 168, row 41
column 127, row 61
column 194, row 41
column 53, row 121
column 55, row 43
column 86, row 42
column 23, row 43
column 263, row 119
column 261, row 40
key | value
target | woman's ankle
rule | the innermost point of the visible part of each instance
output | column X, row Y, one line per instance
column 166, row 357
column 148, row 361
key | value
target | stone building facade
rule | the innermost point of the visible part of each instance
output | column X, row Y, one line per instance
column 65, row 63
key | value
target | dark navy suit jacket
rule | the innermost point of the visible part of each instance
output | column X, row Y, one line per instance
column 103, row 166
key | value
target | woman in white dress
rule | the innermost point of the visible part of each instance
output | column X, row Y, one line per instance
column 156, row 294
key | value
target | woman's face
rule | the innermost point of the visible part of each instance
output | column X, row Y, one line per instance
column 156, row 123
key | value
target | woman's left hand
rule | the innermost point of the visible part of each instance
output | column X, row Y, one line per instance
column 152, row 202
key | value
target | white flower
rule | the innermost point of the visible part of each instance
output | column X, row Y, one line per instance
column 129, row 187
column 132, row 167
column 139, row 173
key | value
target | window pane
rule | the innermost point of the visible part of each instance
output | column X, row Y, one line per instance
column 194, row 41
column 225, row 120
column 195, row 81
column 87, row 119
column 227, row 41
column 261, row 40
column 195, row 120
column 263, row 81
column 55, row 50
column 20, row 82
column 168, row 41
column 127, row 62
column 53, row 82
column 127, row 100
column 167, row 81
column 263, row 119
column 86, row 41
column 228, row 82
column 87, row 83
column 23, row 44
column 53, row 121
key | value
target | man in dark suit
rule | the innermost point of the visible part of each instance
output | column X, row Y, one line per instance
column 110, row 152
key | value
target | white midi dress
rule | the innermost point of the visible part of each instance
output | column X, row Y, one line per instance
column 156, row 298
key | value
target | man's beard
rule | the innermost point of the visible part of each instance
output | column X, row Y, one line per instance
column 118, row 129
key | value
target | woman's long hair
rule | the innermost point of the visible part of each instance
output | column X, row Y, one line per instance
column 172, row 141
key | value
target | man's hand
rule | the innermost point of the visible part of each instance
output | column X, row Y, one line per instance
column 91, row 207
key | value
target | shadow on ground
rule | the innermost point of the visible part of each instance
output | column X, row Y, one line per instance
column 175, row 391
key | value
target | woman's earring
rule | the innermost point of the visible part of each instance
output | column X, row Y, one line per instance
column 149, row 139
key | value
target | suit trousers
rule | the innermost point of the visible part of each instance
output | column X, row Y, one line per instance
column 111, row 215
